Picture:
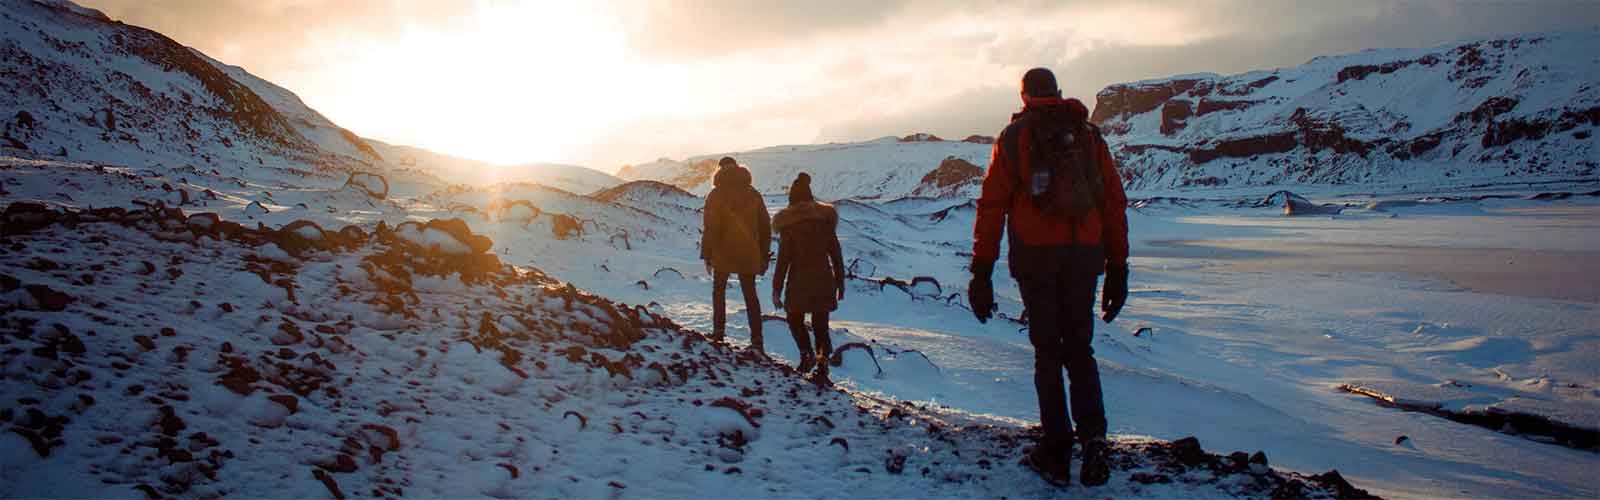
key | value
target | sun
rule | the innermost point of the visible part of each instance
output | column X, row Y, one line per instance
column 517, row 81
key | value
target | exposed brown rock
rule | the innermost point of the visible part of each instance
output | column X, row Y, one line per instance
column 1175, row 115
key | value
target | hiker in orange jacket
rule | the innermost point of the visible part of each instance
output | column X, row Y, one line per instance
column 1056, row 260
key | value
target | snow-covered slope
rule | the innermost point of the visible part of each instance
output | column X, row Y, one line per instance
column 153, row 352
column 83, row 88
column 80, row 86
column 886, row 168
column 1497, row 110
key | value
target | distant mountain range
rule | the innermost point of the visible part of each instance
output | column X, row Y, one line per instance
column 1498, row 110
column 1502, row 109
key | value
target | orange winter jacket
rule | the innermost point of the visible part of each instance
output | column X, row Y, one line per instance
column 1005, row 205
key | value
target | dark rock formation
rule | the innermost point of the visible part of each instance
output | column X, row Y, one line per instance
column 1128, row 99
column 921, row 137
column 1175, row 115
column 952, row 174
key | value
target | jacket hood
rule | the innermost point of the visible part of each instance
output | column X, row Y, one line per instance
column 1074, row 108
column 733, row 176
column 804, row 211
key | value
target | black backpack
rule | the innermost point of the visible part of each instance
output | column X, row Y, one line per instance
column 1065, row 160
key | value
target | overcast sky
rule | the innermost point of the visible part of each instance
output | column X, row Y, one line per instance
column 603, row 84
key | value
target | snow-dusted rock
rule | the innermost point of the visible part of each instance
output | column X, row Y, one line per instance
column 373, row 185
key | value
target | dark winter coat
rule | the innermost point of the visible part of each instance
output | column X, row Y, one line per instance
column 737, row 236
column 809, row 259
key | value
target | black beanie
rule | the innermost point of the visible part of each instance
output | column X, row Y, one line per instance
column 800, row 190
column 1040, row 82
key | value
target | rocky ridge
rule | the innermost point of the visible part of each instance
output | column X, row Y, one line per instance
column 1507, row 109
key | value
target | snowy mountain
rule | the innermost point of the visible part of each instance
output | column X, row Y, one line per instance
column 1518, row 108
column 80, row 86
column 577, row 179
column 1514, row 109
column 885, row 168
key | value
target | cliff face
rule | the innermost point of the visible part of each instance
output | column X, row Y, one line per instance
column 1507, row 109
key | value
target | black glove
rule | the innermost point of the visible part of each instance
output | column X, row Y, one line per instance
column 980, row 291
column 1116, row 292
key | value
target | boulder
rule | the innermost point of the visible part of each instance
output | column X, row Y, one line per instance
column 1294, row 204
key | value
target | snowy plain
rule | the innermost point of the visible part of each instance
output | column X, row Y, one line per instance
column 1253, row 351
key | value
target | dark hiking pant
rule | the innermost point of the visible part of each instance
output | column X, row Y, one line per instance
column 719, row 306
column 802, row 338
column 1060, row 326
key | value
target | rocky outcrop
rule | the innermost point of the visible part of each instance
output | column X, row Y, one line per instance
column 1175, row 115
column 642, row 189
column 1129, row 99
column 952, row 175
column 1320, row 122
column 1294, row 204
column 921, row 137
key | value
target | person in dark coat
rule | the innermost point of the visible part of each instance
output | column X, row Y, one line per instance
column 736, row 239
column 812, row 265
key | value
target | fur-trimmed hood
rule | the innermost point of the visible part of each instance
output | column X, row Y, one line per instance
column 731, row 176
column 804, row 211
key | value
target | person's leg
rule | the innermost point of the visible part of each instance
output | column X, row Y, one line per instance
column 752, row 310
column 802, row 341
column 819, row 325
column 719, row 304
column 1088, row 407
column 1042, row 297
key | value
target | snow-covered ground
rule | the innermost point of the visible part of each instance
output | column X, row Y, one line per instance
column 1254, row 321
column 153, row 352
column 1250, row 344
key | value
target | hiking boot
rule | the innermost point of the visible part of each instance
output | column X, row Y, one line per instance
column 1054, row 467
column 820, row 376
column 1095, row 470
column 806, row 364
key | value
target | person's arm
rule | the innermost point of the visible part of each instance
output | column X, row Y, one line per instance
column 836, row 255
column 1113, row 211
column 707, row 225
column 1114, row 235
column 995, row 201
column 764, row 232
column 784, row 259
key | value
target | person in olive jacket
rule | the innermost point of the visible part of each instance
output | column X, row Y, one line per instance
column 736, row 239
column 812, row 265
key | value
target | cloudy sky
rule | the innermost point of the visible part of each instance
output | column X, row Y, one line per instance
column 603, row 84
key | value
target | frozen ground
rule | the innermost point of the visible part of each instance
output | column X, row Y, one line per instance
column 1253, row 324
column 1255, row 321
